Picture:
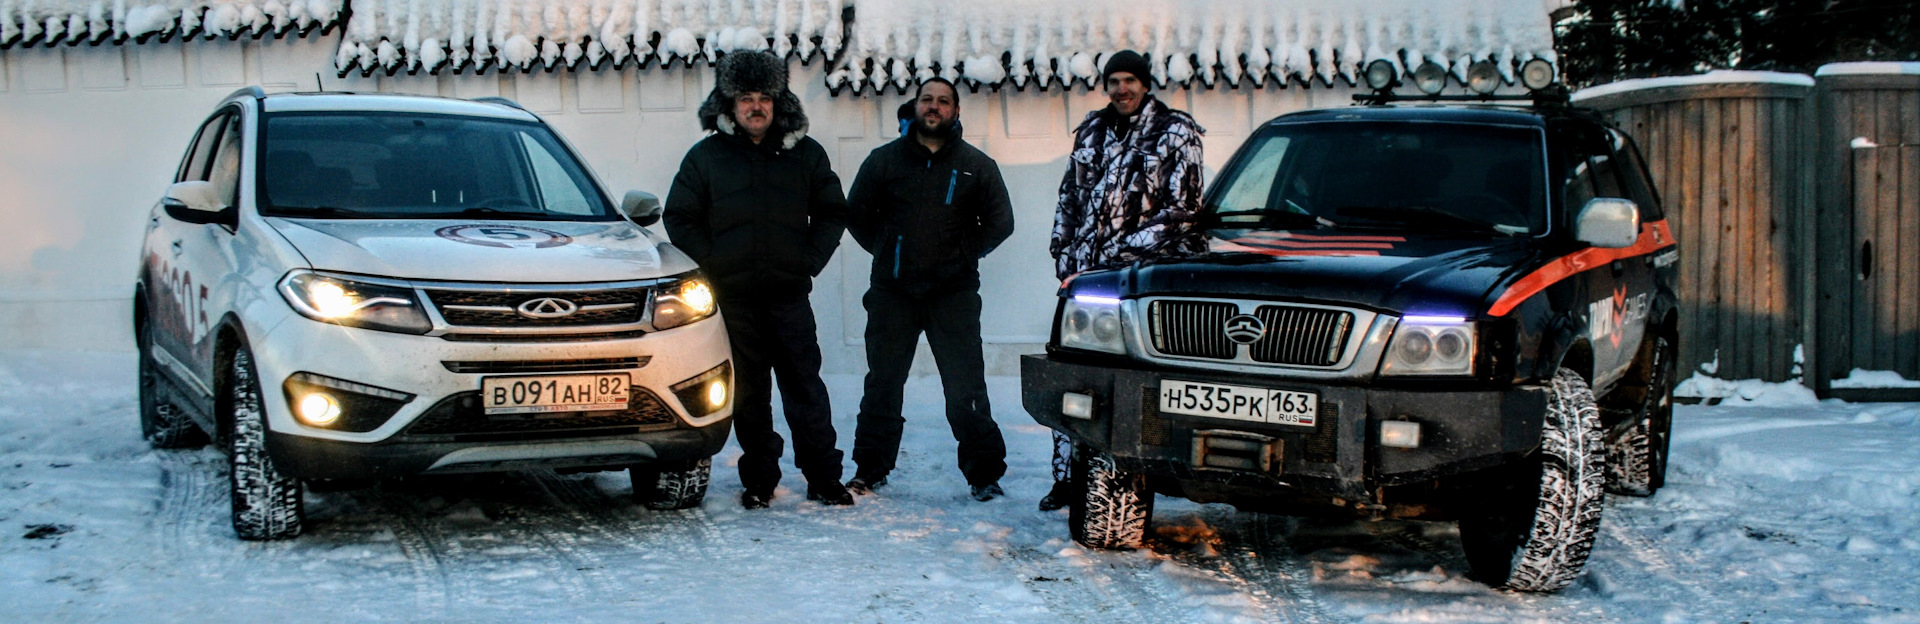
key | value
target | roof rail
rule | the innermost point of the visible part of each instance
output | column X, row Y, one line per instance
column 1553, row 96
column 253, row 90
column 494, row 99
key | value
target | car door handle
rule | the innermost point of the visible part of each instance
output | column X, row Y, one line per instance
column 176, row 248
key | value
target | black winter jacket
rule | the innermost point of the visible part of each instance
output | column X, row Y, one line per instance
column 762, row 221
column 928, row 217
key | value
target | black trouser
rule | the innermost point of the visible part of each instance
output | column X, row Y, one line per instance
column 777, row 336
column 951, row 320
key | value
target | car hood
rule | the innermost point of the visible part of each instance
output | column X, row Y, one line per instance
column 1449, row 275
column 484, row 250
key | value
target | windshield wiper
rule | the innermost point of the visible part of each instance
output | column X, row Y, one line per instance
column 1426, row 215
column 483, row 211
column 315, row 211
column 1267, row 217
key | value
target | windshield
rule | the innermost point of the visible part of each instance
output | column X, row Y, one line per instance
column 419, row 166
column 1388, row 175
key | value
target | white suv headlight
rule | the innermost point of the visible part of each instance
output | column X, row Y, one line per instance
column 1092, row 323
column 682, row 302
column 1425, row 345
column 352, row 303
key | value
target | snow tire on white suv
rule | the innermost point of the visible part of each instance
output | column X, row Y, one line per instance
column 161, row 422
column 267, row 505
column 672, row 489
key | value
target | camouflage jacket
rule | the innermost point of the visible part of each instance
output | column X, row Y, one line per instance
column 1129, row 194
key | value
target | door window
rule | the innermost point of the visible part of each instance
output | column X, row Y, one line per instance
column 194, row 166
column 224, row 171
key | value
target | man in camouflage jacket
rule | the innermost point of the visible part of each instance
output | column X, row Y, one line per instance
column 1131, row 192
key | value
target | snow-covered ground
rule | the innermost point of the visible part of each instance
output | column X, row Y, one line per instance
column 1782, row 514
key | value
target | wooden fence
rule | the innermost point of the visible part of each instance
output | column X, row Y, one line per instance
column 1727, row 158
column 1798, row 212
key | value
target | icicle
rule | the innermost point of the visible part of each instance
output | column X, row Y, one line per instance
column 432, row 53
column 985, row 70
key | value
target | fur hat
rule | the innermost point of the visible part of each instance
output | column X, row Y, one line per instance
column 754, row 72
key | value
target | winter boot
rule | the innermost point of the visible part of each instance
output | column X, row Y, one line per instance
column 755, row 500
column 865, row 485
column 990, row 491
column 829, row 493
column 1061, row 494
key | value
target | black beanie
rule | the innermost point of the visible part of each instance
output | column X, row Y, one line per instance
column 1130, row 62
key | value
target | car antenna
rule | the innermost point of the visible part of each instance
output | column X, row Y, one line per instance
column 317, row 85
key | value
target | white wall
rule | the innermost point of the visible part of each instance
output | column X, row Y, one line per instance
column 89, row 137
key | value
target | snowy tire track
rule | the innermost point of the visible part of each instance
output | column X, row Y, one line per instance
column 1269, row 568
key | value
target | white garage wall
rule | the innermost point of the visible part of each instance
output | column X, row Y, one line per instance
column 90, row 135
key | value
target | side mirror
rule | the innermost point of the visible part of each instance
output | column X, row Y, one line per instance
column 1608, row 222
column 642, row 207
column 195, row 201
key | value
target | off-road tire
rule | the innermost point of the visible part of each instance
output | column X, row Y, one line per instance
column 676, row 487
column 1540, row 518
column 161, row 422
column 1637, row 456
column 1115, row 505
column 267, row 504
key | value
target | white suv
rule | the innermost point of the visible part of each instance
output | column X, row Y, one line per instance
column 340, row 288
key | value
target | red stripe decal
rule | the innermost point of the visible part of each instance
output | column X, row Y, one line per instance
column 1261, row 248
column 1653, row 237
column 1328, row 238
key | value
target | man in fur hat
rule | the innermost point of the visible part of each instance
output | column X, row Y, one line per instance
column 1131, row 193
column 758, row 206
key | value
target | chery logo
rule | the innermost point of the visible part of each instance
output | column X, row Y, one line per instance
column 547, row 308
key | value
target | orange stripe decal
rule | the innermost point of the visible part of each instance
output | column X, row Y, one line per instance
column 1653, row 237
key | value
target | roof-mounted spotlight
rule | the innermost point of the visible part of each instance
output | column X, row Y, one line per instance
column 1381, row 75
column 1536, row 74
column 1430, row 78
column 1483, row 77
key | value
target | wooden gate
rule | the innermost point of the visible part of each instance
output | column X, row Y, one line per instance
column 1868, row 229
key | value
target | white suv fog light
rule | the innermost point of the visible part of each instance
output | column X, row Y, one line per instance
column 1400, row 434
column 717, row 393
column 1076, row 405
column 319, row 409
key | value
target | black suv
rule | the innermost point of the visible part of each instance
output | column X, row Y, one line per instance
column 1432, row 311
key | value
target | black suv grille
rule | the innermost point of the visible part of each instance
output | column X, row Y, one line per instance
column 460, row 418
column 1193, row 328
column 1301, row 336
column 459, row 307
column 1296, row 336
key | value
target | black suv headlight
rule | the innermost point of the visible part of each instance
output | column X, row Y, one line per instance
column 343, row 301
column 682, row 302
column 1092, row 323
column 1430, row 346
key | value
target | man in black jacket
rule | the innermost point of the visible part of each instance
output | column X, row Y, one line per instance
column 928, row 206
column 758, row 206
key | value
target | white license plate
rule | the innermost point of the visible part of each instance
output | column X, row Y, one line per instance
column 554, row 393
column 1261, row 405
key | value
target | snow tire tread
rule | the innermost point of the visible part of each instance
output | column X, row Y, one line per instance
column 1566, row 520
column 267, row 504
column 1636, row 458
column 1116, row 506
column 665, row 490
column 161, row 422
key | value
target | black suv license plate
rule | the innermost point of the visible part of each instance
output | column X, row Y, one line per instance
column 1261, row 405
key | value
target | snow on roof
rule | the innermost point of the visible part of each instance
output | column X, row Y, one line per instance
column 1722, row 76
column 51, row 22
column 1867, row 69
column 463, row 35
column 1060, row 42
